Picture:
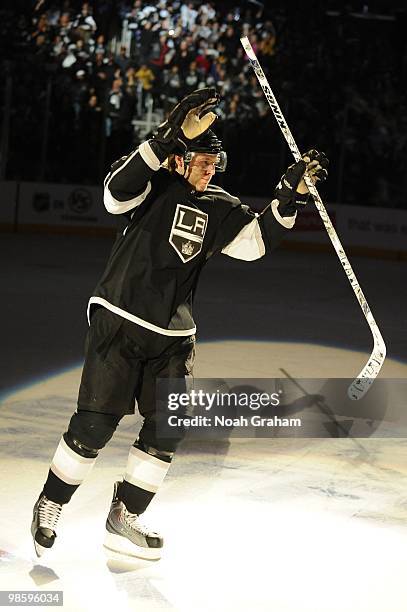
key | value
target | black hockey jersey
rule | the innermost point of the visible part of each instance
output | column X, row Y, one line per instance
column 171, row 232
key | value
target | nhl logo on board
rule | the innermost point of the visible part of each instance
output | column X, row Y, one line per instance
column 80, row 200
column 188, row 231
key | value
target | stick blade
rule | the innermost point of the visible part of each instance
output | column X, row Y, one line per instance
column 368, row 375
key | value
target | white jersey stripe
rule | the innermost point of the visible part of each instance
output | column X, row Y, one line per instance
column 148, row 156
column 287, row 222
column 137, row 320
column 115, row 207
column 248, row 244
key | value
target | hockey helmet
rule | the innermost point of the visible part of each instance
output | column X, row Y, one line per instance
column 208, row 143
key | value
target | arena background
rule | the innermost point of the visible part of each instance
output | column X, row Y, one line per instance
column 84, row 83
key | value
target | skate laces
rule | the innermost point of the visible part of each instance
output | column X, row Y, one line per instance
column 49, row 513
column 133, row 521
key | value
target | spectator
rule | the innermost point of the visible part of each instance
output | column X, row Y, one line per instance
column 188, row 16
column 122, row 60
column 173, row 88
column 192, row 79
column 100, row 46
column 147, row 37
column 183, row 57
column 202, row 61
column 84, row 24
column 162, row 51
column 230, row 41
column 80, row 92
column 145, row 76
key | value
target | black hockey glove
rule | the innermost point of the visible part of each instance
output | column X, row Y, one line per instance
column 290, row 200
column 188, row 120
column 317, row 164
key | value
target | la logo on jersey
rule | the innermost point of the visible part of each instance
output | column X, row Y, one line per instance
column 188, row 231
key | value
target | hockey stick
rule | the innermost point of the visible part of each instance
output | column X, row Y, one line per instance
column 372, row 368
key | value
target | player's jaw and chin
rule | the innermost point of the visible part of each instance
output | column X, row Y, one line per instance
column 199, row 183
column 202, row 183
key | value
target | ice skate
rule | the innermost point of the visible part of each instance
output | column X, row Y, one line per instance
column 126, row 534
column 45, row 518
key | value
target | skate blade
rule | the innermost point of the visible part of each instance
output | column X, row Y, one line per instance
column 119, row 563
column 119, row 544
column 39, row 550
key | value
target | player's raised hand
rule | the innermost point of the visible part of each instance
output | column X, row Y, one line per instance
column 189, row 119
column 292, row 192
column 200, row 116
column 316, row 166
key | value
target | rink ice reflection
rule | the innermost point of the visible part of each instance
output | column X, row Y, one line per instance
column 268, row 524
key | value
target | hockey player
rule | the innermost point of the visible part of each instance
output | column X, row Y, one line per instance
column 141, row 324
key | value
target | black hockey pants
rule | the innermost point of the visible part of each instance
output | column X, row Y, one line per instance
column 121, row 366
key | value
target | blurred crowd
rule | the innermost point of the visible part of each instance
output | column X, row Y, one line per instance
column 87, row 74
